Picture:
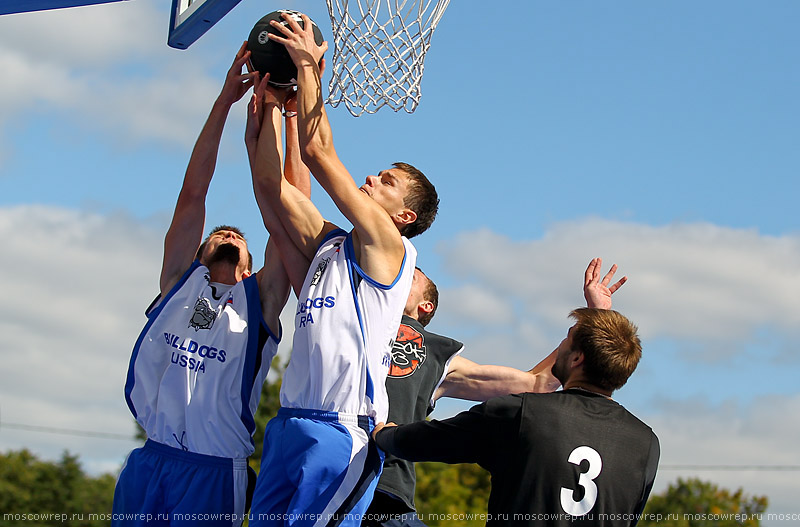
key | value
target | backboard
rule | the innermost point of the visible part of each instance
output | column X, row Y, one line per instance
column 189, row 19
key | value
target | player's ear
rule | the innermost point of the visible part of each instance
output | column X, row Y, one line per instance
column 576, row 358
column 246, row 273
column 426, row 306
column 406, row 217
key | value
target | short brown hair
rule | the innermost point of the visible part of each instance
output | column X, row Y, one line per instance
column 610, row 345
column 231, row 228
column 421, row 198
column 431, row 294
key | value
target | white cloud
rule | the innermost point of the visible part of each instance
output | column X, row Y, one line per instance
column 732, row 435
column 686, row 281
column 87, row 37
column 106, row 68
column 76, row 287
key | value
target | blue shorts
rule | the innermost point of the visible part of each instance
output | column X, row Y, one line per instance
column 162, row 485
column 318, row 468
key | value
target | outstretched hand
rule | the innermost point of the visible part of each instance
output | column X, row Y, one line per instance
column 299, row 42
column 596, row 291
column 236, row 82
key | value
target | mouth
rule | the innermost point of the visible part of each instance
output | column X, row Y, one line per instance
column 364, row 190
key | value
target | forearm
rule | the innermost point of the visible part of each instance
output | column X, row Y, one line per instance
column 444, row 441
column 288, row 205
column 314, row 130
column 186, row 228
column 485, row 381
column 204, row 155
column 295, row 171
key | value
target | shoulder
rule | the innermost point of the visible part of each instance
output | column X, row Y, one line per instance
column 331, row 237
column 430, row 335
column 411, row 251
column 505, row 407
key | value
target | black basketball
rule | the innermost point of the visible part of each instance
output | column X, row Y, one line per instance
column 272, row 57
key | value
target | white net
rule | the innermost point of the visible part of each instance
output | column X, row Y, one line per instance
column 379, row 52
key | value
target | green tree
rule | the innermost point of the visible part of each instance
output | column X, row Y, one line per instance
column 454, row 490
column 267, row 409
column 30, row 486
column 696, row 503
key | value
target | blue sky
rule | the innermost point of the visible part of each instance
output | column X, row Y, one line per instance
column 662, row 136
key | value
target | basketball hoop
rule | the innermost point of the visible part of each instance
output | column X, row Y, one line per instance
column 379, row 52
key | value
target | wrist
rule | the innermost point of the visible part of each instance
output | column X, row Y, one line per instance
column 289, row 113
column 223, row 103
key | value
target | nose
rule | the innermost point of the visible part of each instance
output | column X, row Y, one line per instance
column 372, row 180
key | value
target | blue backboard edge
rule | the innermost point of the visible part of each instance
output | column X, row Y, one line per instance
column 198, row 23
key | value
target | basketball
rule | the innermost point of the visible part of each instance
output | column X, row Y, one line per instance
column 271, row 57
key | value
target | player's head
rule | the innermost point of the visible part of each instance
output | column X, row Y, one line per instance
column 609, row 344
column 407, row 195
column 423, row 299
column 226, row 243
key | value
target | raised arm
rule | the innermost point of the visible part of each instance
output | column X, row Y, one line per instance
column 379, row 246
column 295, row 170
column 287, row 259
column 300, row 219
column 186, row 229
column 477, row 382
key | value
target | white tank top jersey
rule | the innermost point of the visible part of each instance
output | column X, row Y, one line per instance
column 345, row 326
column 196, row 372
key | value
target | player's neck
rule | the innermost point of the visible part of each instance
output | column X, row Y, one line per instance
column 223, row 273
column 587, row 387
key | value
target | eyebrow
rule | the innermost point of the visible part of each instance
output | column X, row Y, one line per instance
column 223, row 232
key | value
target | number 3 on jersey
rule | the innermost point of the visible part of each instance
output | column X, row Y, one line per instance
column 586, row 480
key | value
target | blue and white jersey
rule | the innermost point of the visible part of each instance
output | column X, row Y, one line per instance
column 345, row 326
column 196, row 372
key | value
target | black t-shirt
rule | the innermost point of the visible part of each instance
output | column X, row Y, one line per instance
column 568, row 458
column 418, row 363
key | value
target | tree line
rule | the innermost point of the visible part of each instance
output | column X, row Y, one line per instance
column 31, row 488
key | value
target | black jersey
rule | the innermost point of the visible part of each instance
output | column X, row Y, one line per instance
column 419, row 359
column 568, row 458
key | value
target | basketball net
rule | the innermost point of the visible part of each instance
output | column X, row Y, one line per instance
column 379, row 52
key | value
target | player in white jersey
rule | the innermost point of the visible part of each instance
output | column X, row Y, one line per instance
column 197, row 368
column 318, row 466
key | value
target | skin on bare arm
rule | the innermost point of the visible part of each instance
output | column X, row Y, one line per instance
column 295, row 170
column 285, row 261
column 477, row 382
column 301, row 220
column 186, row 229
column 378, row 244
